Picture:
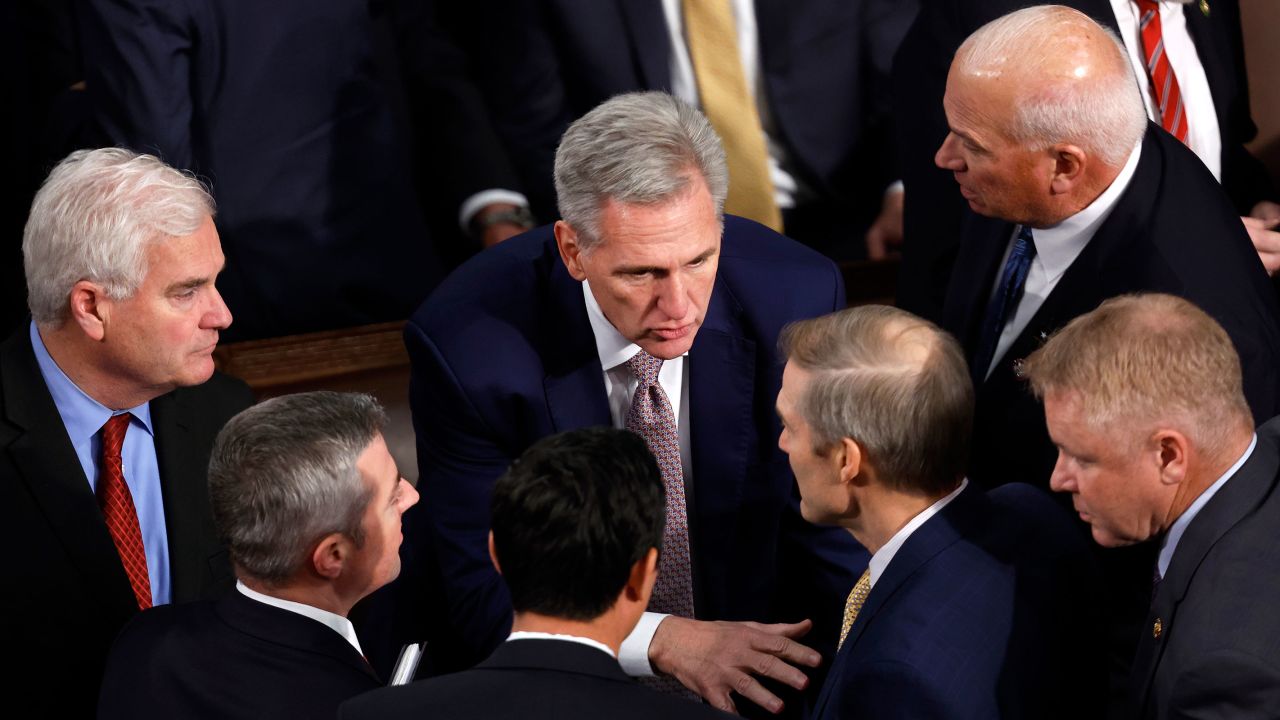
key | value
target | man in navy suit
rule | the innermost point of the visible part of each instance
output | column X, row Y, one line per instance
column 309, row 501
column 534, row 337
column 1155, row 442
column 973, row 605
column 577, row 523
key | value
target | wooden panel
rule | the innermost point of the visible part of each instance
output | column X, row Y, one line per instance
column 290, row 360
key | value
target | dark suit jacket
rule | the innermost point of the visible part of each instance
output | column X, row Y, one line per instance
column 530, row 679
column 988, row 610
column 934, row 206
column 289, row 108
column 824, row 67
column 503, row 354
column 1218, row 651
column 74, row 594
column 230, row 658
column 1171, row 231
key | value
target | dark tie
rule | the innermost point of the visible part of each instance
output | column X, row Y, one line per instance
column 1173, row 117
column 1004, row 303
column 118, row 510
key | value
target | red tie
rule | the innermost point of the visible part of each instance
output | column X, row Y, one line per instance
column 1168, row 96
column 118, row 511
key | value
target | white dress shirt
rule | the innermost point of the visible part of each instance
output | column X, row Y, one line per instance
column 1170, row 542
column 786, row 188
column 1057, row 247
column 336, row 622
column 882, row 557
column 530, row 635
column 620, row 386
column 1203, row 134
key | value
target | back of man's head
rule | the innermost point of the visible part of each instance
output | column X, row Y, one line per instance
column 1143, row 360
column 93, row 219
column 892, row 382
column 572, row 517
column 283, row 475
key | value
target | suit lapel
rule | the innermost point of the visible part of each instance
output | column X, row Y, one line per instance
column 47, row 465
column 1252, row 484
column 278, row 626
column 647, row 29
column 983, row 245
column 1213, row 47
column 574, row 382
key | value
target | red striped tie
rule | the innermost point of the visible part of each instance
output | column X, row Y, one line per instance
column 118, row 511
column 1168, row 96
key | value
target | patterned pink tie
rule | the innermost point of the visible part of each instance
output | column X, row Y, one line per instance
column 651, row 418
column 118, row 511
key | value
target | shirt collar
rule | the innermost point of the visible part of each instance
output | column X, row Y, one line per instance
column 82, row 416
column 611, row 346
column 880, row 560
column 334, row 621
column 530, row 635
column 1057, row 246
column 1170, row 542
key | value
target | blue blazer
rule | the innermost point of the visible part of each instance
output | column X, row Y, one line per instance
column 503, row 354
column 987, row 611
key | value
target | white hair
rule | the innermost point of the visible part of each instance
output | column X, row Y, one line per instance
column 638, row 148
column 1105, row 115
column 93, row 219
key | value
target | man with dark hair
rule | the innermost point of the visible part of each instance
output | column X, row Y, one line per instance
column 308, row 500
column 974, row 605
column 577, row 524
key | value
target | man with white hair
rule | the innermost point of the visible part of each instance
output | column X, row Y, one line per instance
column 1082, row 200
column 109, row 405
column 1155, row 442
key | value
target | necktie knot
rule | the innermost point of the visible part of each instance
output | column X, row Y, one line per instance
column 113, row 432
column 645, row 367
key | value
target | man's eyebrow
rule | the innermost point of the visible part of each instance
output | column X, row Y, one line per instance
column 188, row 284
column 965, row 136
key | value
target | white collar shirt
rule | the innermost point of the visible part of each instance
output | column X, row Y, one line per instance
column 1170, row 542
column 881, row 558
column 530, row 635
column 335, row 622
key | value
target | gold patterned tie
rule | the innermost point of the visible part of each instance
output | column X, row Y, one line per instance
column 728, row 104
column 857, row 596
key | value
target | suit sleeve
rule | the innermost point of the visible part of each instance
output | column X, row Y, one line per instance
column 138, row 57
column 1225, row 684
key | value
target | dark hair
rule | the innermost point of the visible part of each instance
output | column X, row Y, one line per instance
column 572, row 516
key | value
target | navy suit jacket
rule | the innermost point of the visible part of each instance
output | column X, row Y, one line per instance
column 75, row 595
column 1217, row 654
column 552, row 679
column 230, row 658
column 503, row 354
column 934, row 207
column 987, row 611
column 1171, row 231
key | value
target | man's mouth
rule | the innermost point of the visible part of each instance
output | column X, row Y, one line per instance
column 674, row 333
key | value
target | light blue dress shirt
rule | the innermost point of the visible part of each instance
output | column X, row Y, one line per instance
column 83, row 418
column 1171, row 538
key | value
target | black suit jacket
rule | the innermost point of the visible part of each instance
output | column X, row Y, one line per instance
column 1171, row 231
column 1217, row 654
column 230, row 658
column 74, row 595
column 989, row 610
column 934, row 207
column 530, row 679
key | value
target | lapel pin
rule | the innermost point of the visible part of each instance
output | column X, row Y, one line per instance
column 1044, row 335
column 1156, row 629
column 1204, row 7
column 1020, row 369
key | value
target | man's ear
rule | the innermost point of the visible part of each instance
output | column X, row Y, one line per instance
column 330, row 555
column 643, row 574
column 1170, row 449
column 849, row 457
column 1068, row 167
column 493, row 554
column 90, row 309
column 570, row 250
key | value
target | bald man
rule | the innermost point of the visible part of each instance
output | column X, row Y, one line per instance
column 1078, row 199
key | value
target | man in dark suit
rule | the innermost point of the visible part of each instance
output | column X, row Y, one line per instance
column 934, row 210
column 121, row 255
column 814, row 77
column 309, row 501
column 545, row 333
column 1078, row 199
column 577, row 524
column 973, row 605
column 1143, row 397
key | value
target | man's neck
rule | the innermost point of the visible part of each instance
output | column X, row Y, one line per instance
column 605, row 629
column 67, row 346
column 888, row 512
column 1208, row 472
column 316, row 595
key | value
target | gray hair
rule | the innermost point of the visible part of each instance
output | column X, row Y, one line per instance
column 639, row 148
column 1105, row 115
column 894, row 383
column 93, row 219
column 283, row 475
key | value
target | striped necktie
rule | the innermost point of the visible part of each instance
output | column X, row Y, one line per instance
column 1173, row 117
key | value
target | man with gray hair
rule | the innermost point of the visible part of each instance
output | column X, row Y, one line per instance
column 1081, row 200
column 109, row 405
column 308, row 500
column 645, row 308
column 974, row 605
column 1144, row 401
